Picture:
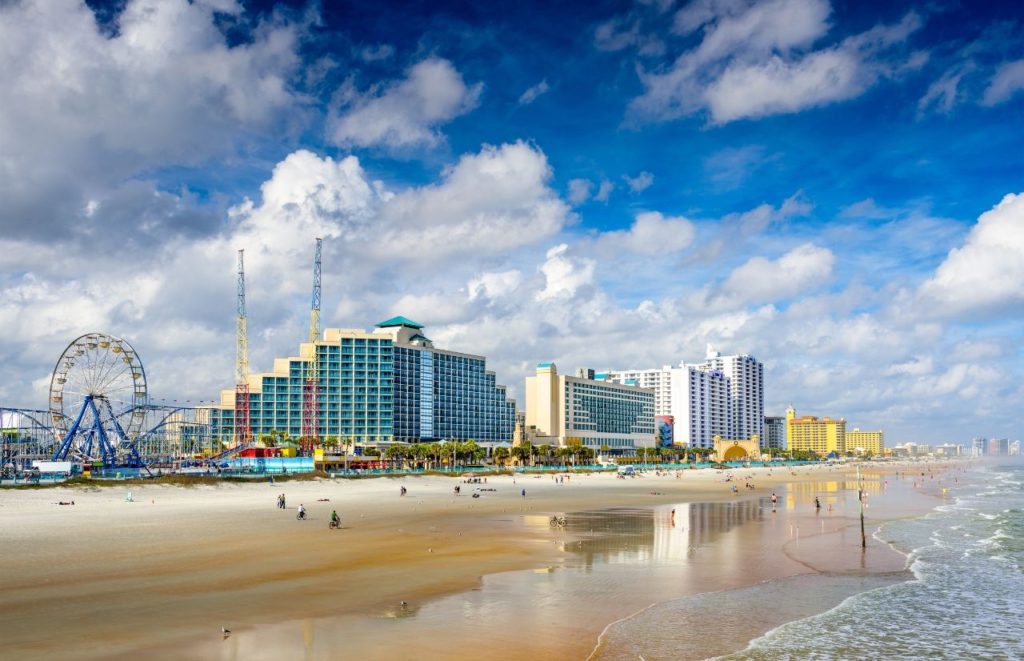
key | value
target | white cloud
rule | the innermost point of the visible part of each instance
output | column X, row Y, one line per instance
column 604, row 191
column 405, row 113
column 986, row 272
column 564, row 276
column 1007, row 82
column 752, row 61
column 650, row 234
column 639, row 183
column 579, row 191
column 83, row 110
column 764, row 280
column 494, row 285
column 376, row 52
column 531, row 94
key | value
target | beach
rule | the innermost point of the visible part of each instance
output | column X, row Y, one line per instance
column 161, row 575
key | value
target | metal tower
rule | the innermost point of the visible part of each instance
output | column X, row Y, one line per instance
column 243, row 429
column 311, row 388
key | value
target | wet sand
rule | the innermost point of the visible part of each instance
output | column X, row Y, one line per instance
column 160, row 576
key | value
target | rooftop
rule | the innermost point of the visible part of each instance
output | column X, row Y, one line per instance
column 398, row 321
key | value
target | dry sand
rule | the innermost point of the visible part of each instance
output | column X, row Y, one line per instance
column 161, row 575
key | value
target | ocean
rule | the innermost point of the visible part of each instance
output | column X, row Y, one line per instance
column 964, row 597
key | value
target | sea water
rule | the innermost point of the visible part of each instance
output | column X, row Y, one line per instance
column 966, row 600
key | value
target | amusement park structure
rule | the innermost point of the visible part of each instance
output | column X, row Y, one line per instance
column 100, row 417
column 243, row 431
column 311, row 388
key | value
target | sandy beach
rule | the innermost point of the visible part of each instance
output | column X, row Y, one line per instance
column 161, row 575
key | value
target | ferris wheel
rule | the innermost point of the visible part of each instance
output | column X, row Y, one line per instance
column 97, row 391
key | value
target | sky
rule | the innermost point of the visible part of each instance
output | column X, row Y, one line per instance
column 832, row 187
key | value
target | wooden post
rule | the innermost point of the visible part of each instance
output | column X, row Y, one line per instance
column 860, row 497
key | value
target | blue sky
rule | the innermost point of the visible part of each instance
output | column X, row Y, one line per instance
column 829, row 186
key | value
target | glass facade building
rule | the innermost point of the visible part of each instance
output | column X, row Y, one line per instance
column 387, row 385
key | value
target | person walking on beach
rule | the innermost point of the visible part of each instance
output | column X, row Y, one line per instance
column 524, row 493
column 817, row 504
column 775, row 500
column 401, row 492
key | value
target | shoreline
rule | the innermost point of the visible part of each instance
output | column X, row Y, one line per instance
column 428, row 547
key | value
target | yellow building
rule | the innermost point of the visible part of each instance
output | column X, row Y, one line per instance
column 819, row 435
column 865, row 441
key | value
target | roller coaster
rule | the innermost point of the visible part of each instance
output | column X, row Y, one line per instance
column 100, row 417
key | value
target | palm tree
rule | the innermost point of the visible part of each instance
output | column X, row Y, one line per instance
column 500, row 455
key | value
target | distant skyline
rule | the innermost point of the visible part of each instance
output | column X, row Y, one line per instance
column 832, row 187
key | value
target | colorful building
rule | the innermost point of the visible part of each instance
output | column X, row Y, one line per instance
column 859, row 442
column 567, row 410
column 822, row 436
column 389, row 384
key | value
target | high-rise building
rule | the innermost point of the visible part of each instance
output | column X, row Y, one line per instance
column 746, row 391
column 860, row 442
column 390, row 384
column 775, row 432
column 575, row 410
column 822, row 436
column 721, row 396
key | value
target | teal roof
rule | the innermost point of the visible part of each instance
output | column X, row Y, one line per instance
column 398, row 321
column 545, row 364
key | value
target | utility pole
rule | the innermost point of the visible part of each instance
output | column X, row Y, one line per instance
column 243, row 429
column 311, row 388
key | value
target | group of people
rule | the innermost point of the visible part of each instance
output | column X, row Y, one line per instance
column 280, row 502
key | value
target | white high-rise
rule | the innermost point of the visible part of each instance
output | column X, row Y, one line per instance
column 746, row 377
column 722, row 396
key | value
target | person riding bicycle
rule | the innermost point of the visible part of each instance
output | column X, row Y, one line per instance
column 335, row 519
column 302, row 511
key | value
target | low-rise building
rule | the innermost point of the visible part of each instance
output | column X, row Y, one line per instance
column 822, row 436
column 861, row 442
column 609, row 417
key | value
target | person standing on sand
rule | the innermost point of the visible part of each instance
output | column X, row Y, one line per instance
column 775, row 500
column 817, row 504
column 524, row 493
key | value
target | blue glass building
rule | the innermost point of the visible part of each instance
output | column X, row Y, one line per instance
column 387, row 385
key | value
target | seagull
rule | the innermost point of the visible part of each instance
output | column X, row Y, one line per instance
column 226, row 632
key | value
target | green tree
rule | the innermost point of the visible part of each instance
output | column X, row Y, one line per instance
column 500, row 455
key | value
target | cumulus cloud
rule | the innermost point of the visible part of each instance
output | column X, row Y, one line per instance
column 579, row 190
column 407, row 112
column 650, row 234
column 985, row 273
column 639, row 183
column 765, row 280
column 85, row 108
column 604, row 191
column 531, row 94
column 564, row 275
column 1007, row 82
column 494, row 285
column 752, row 61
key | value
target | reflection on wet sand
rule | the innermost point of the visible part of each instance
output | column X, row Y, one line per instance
column 642, row 535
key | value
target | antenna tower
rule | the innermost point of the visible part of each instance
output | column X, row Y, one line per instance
column 311, row 389
column 243, row 430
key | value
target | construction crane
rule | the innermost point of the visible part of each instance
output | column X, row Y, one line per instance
column 243, row 429
column 311, row 388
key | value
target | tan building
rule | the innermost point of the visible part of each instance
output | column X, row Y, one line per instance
column 819, row 435
column 865, row 441
column 578, row 410
column 737, row 450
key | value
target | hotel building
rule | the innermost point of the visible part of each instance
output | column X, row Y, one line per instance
column 569, row 410
column 865, row 441
column 389, row 384
column 819, row 435
column 723, row 396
